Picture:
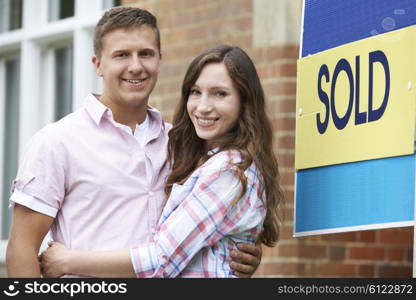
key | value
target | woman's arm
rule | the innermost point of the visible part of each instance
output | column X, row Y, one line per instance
column 58, row 260
column 194, row 224
column 199, row 220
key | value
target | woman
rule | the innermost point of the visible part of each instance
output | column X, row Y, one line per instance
column 223, row 188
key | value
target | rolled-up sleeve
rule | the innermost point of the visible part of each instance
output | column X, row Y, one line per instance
column 40, row 180
column 32, row 203
column 197, row 222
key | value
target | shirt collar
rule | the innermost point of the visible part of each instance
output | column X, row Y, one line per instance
column 96, row 109
column 145, row 124
column 213, row 151
column 156, row 116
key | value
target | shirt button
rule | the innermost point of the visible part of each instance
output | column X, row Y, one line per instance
column 150, row 194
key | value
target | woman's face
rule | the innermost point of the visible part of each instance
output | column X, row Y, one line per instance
column 213, row 103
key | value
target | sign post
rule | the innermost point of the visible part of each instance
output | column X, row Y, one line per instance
column 355, row 122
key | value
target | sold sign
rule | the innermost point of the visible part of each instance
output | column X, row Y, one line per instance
column 354, row 92
column 357, row 102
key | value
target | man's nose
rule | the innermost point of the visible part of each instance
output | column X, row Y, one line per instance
column 135, row 65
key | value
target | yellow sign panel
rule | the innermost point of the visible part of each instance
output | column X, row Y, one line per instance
column 357, row 101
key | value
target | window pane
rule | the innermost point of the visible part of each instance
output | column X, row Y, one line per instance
column 10, row 15
column 63, row 81
column 61, row 9
column 67, row 9
column 111, row 3
column 11, row 138
column 16, row 14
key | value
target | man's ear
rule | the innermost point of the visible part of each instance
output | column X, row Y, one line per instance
column 97, row 65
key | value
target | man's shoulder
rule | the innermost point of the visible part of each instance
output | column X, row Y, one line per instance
column 66, row 125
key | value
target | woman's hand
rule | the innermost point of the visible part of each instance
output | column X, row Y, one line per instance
column 54, row 260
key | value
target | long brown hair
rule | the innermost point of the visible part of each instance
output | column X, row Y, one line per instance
column 252, row 135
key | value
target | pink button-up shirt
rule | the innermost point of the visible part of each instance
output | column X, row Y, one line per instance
column 105, row 190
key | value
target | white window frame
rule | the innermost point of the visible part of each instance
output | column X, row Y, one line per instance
column 3, row 60
column 2, row 120
column 2, row 129
column 4, row 57
column 35, row 40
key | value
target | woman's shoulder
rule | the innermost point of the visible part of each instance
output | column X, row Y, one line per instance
column 223, row 159
column 218, row 164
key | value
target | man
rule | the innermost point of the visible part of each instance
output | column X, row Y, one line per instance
column 96, row 177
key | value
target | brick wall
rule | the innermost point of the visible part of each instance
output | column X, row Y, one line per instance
column 190, row 26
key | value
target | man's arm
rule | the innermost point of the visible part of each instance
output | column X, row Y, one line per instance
column 27, row 232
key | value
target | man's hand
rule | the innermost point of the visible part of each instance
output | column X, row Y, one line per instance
column 246, row 259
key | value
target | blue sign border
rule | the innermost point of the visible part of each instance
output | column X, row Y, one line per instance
column 331, row 23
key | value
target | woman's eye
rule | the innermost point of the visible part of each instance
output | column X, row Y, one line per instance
column 194, row 92
column 220, row 94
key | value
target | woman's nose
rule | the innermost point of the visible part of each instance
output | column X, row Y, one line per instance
column 205, row 104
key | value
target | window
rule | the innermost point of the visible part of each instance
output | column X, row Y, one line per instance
column 61, row 9
column 111, row 3
column 10, row 101
column 10, row 15
column 63, row 82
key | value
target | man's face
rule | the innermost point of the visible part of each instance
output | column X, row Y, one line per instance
column 129, row 65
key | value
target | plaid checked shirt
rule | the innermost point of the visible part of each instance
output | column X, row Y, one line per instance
column 199, row 223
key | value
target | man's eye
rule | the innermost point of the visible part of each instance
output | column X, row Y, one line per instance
column 121, row 55
column 146, row 53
